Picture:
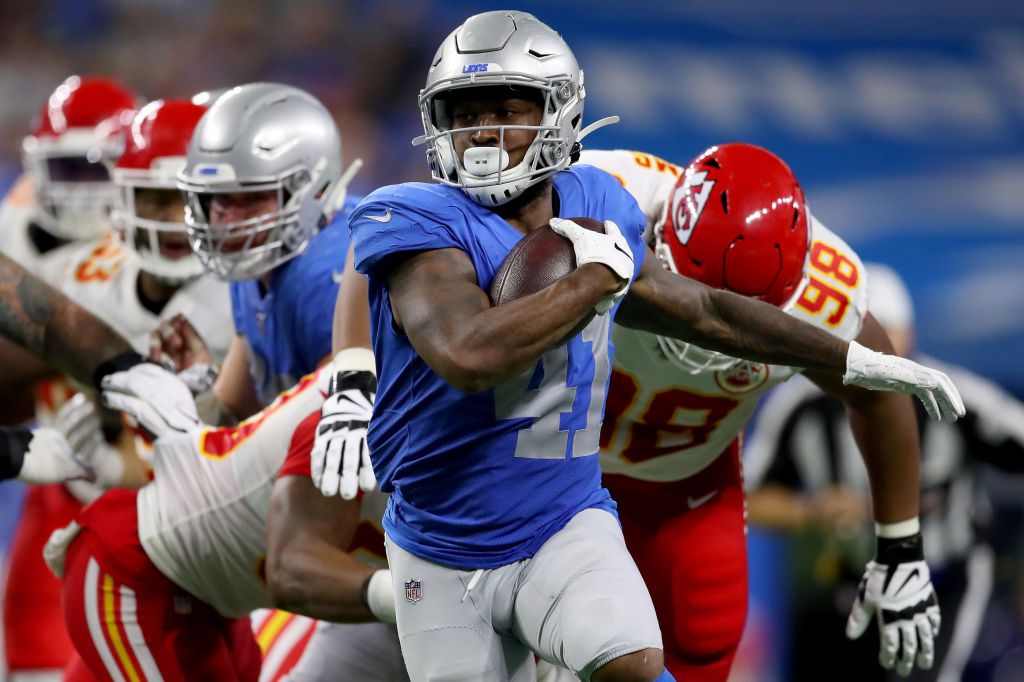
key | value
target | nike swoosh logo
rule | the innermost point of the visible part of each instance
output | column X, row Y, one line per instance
column 913, row 574
column 693, row 503
column 381, row 218
column 628, row 254
column 336, row 276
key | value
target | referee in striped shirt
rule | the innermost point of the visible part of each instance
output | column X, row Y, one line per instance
column 804, row 475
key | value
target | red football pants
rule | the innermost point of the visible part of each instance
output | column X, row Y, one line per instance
column 34, row 633
column 129, row 622
column 689, row 540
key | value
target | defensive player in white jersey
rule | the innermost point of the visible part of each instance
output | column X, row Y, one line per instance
column 736, row 219
column 159, row 582
column 149, row 272
column 63, row 196
column 66, row 192
column 130, row 284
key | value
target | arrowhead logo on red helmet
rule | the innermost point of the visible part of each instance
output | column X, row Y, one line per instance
column 690, row 204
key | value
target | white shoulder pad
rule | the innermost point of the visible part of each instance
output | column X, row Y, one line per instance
column 648, row 178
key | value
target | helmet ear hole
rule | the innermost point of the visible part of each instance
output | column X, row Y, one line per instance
column 725, row 201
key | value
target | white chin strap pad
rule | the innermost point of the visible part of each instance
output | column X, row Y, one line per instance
column 484, row 161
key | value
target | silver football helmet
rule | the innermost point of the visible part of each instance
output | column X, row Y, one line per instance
column 514, row 49
column 262, row 138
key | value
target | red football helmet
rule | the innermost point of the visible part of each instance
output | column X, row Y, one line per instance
column 146, row 177
column 79, row 130
column 736, row 220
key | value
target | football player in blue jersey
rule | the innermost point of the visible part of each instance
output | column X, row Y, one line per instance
column 268, row 212
column 501, row 540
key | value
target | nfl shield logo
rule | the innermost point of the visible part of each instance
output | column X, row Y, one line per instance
column 413, row 591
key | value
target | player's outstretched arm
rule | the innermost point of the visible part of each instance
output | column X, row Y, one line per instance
column 450, row 322
column 665, row 303
column 885, row 428
column 308, row 570
column 48, row 324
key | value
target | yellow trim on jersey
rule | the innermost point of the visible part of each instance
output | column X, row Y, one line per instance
column 110, row 618
column 272, row 627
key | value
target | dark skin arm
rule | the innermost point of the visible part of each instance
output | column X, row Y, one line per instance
column 885, row 427
column 351, row 309
column 664, row 303
column 49, row 325
column 471, row 345
column 308, row 571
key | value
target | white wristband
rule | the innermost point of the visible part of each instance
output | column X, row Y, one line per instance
column 900, row 529
column 358, row 359
column 380, row 596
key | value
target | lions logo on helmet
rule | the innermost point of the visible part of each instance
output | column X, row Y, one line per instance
column 512, row 49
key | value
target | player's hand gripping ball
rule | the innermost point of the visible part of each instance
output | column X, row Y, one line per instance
column 540, row 259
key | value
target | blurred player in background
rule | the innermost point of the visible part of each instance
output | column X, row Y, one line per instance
column 804, row 476
column 63, row 196
column 736, row 219
column 130, row 283
column 267, row 212
column 66, row 191
column 475, row 401
column 159, row 582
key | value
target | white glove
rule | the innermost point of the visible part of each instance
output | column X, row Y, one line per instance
column 78, row 420
column 340, row 459
column 156, row 398
column 49, row 459
column 881, row 372
column 897, row 591
column 56, row 548
column 609, row 249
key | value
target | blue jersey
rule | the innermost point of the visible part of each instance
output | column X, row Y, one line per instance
column 482, row 480
column 288, row 327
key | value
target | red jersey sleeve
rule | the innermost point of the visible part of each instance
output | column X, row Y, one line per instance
column 297, row 461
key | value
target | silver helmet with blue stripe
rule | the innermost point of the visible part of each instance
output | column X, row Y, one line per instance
column 262, row 176
column 512, row 49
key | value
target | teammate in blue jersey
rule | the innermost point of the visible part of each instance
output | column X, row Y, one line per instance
column 485, row 427
column 281, row 314
column 263, row 179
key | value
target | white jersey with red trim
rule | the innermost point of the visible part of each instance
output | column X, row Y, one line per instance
column 202, row 520
column 663, row 423
column 648, row 178
column 17, row 213
column 102, row 277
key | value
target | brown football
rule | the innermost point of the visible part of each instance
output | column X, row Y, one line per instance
column 537, row 261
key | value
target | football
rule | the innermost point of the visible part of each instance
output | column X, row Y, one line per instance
column 537, row 261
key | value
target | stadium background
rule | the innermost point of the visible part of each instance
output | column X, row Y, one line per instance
column 904, row 122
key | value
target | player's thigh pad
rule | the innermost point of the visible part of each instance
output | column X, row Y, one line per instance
column 455, row 625
column 354, row 651
column 582, row 601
